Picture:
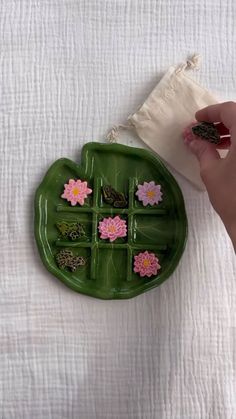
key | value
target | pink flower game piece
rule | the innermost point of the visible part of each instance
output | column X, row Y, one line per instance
column 149, row 193
column 76, row 192
column 112, row 228
column 146, row 264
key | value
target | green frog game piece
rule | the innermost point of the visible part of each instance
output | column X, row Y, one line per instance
column 114, row 198
column 72, row 231
column 207, row 131
column 66, row 259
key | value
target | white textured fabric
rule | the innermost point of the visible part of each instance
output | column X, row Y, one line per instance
column 69, row 71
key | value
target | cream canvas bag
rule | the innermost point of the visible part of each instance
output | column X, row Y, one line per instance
column 162, row 118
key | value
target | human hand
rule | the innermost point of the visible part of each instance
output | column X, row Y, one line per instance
column 219, row 174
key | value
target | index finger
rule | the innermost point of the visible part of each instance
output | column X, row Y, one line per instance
column 222, row 112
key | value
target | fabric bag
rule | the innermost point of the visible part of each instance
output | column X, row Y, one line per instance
column 162, row 118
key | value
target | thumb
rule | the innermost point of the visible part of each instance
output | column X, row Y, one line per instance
column 204, row 151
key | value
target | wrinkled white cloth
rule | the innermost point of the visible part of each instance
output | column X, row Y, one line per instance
column 69, row 71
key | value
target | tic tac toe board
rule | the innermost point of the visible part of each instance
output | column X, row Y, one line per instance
column 161, row 229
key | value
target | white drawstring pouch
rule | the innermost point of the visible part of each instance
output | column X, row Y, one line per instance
column 162, row 118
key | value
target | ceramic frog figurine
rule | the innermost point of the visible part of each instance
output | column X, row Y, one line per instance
column 114, row 198
column 66, row 259
column 71, row 231
column 207, row 131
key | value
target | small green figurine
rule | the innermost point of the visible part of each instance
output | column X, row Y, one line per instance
column 71, row 231
column 66, row 259
column 114, row 198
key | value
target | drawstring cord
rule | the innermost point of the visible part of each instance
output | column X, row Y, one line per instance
column 114, row 133
column 191, row 64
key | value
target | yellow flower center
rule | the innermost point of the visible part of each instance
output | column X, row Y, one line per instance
column 76, row 191
column 150, row 194
column 146, row 263
column 111, row 229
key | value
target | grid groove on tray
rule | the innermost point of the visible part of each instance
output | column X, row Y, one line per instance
column 159, row 247
column 130, row 228
column 94, row 248
column 96, row 210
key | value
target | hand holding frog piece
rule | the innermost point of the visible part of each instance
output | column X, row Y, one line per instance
column 219, row 174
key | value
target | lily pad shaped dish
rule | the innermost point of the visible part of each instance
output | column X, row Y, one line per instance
column 107, row 270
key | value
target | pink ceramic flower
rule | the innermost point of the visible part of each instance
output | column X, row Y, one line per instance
column 76, row 191
column 149, row 193
column 146, row 264
column 112, row 228
column 188, row 134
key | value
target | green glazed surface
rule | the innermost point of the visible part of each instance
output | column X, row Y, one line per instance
column 161, row 229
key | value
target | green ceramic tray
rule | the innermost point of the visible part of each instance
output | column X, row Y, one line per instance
column 161, row 229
